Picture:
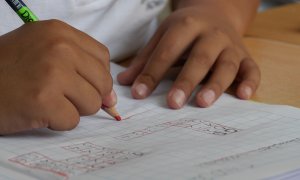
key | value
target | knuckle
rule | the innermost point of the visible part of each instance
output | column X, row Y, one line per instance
column 164, row 56
column 41, row 123
column 46, row 86
column 218, row 32
column 50, row 72
column 40, row 97
column 188, row 21
column 54, row 24
column 60, row 45
column 201, row 59
column 230, row 65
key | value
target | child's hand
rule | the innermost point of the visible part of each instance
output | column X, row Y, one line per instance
column 50, row 74
column 212, row 44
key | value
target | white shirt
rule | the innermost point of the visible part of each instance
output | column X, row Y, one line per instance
column 122, row 25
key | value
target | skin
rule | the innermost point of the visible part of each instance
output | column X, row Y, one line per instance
column 208, row 33
column 50, row 75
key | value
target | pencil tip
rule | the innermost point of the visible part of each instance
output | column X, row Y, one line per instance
column 118, row 118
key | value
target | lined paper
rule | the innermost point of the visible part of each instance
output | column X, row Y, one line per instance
column 232, row 139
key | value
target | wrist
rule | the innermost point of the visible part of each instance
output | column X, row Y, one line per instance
column 239, row 13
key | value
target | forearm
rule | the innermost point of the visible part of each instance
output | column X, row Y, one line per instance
column 239, row 12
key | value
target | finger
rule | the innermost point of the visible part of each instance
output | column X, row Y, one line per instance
column 82, row 95
column 93, row 72
column 110, row 100
column 222, row 77
column 128, row 76
column 18, row 123
column 62, row 115
column 92, row 46
column 173, row 44
column 250, row 76
column 201, row 59
column 49, row 109
column 84, row 41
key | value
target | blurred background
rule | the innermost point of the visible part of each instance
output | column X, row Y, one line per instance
column 266, row 4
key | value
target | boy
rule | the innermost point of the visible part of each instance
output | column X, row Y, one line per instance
column 51, row 73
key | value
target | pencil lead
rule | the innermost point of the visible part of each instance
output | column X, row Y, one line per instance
column 118, row 118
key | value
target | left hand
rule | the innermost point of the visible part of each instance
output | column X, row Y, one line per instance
column 213, row 45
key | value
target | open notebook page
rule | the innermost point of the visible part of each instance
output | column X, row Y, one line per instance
column 231, row 139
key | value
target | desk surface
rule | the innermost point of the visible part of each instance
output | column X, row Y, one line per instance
column 282, row 24
column 276, row 48
column 279, row 63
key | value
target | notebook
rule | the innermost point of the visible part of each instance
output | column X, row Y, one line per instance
column 232, row 139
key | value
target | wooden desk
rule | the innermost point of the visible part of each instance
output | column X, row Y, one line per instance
column 280, row 67
column 282, row 24
column 276, row 48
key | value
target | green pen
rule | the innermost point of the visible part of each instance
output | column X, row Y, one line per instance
column 22, row 10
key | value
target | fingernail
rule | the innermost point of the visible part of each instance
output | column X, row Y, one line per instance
column 141, row 90
column 110, row 100
column 247, row 92
column 209, row 97
column 113, row 97
column 178, row 96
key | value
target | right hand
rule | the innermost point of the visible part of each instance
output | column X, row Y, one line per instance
column 50, row 75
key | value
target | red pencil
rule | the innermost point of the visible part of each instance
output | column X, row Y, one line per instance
column 112, row 112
